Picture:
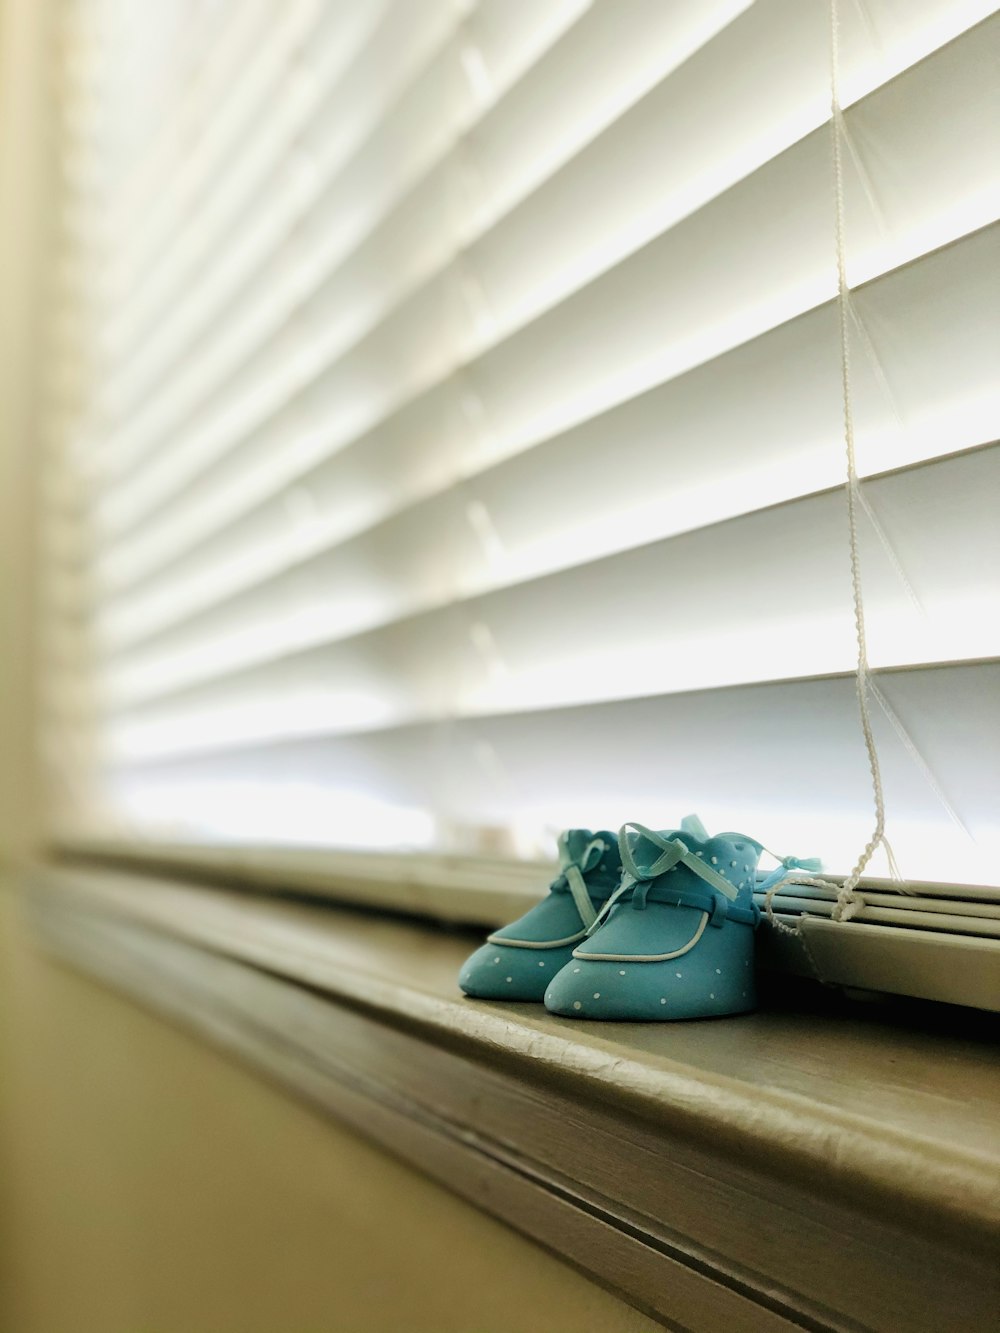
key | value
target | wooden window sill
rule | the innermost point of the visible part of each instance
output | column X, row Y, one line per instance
column 815, row 1165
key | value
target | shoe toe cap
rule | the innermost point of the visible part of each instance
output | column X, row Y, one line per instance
column 645, row 992
column 590, row 990
column 499, row 972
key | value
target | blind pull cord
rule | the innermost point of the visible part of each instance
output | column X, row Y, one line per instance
column 846, row 900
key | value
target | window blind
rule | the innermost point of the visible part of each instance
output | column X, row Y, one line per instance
column 445, row 441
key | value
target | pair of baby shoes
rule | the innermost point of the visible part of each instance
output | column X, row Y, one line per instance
column 643, row 926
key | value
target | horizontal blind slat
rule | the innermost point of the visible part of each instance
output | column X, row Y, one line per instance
column 797, row 741
column 721, row 294
column 292, row 248
column 146, row 262
column 433, row 112
column 778, row 398
column 502, row 453
column 296, row 659
column 276, row 169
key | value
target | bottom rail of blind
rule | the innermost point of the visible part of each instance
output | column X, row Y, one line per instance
column 891, row 960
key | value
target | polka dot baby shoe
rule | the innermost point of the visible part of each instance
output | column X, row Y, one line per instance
column 676, row 939
column 518, row 962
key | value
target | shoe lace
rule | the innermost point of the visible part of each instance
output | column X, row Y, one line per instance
column 811, row 864
column 576, row 858
column 641, row 870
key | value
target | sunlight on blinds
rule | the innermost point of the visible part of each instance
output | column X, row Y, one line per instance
column 444, row 431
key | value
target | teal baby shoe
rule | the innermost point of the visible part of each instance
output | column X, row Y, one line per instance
column 676, row 939
column 518, row 962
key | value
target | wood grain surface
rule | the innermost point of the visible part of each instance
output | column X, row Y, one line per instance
column 814, row 1165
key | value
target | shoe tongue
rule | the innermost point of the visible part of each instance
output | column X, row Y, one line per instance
column 692, row 824
column 659, row 929
column 645, row 852
column 731, row 856
column 581, row 840
column 734, row 857
column 611, row 858
column 577, row 841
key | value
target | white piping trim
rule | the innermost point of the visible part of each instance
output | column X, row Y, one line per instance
column 537, row 944
column 644, row 957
